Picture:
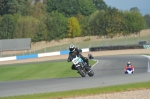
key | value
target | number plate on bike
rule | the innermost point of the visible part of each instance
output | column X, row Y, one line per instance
column 76, row 60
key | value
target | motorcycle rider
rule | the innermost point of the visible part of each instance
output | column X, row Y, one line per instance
column 129, row 65
column 76, row 51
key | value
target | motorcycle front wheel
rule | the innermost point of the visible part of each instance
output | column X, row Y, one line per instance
column 91, row 73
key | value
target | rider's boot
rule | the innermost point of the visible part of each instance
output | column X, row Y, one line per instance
column 88, row 65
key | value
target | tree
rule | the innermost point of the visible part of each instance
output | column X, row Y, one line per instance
column 74, row 29
column 14, row 6
column 66, row 7
column 86, row 7
column 71, row 7
column 37, row 10
column 7, row 27
column 114, row 22
column 134, row 21
column 56, row 26
column 84, row 23
column 97, row 23
column 41, row 32
column 135, row 9
column 30, row 27
column 106, row 22
column 100, row 4
column 3, row 7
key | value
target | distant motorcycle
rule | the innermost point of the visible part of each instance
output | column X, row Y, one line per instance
column 82, row 67
column 129, row 71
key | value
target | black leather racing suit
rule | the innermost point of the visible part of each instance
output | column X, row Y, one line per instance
column 77, row 53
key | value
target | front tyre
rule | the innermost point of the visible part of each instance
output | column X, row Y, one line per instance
column 81, row 72
column 91, row 73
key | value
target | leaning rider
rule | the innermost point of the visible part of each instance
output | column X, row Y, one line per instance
column 129, row 65
column 76, row 51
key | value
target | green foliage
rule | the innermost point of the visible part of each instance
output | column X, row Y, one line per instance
column 86, row 7
column 113, row 22
column 57, row 26
column 134, row 21
column 38, row 10
column 28, row 27
column 14, row 6
column 74, row 29
column 66, row 7
column 100, row 4
column 3, row 7
column 49, row 20
column 134, row 9
column 7, row 27
column 71, row 7
column 98, row 23
column 41, row 32
column 83, row 21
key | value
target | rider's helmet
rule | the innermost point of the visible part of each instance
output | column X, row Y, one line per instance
column 129, row 64
column 72, row 48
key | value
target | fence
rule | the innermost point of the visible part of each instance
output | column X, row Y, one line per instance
column 81, row 42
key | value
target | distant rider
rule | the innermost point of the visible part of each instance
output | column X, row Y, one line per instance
column 129, row 65
column 76, row 51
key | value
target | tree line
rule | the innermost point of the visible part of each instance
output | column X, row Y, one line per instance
column 58, row 19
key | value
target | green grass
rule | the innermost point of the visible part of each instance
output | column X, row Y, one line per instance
column 85, row 92
column 38, row 71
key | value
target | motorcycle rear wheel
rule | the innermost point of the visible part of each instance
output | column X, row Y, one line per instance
column 81, row 72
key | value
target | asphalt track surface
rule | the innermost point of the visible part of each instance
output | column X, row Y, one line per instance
column 108, row 71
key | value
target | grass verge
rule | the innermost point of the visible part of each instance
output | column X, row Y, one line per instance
column 42, row 70
column 85, row 92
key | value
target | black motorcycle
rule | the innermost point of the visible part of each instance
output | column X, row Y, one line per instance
column 82, row 67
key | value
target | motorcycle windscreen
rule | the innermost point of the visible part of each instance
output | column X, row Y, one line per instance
column 129, row 69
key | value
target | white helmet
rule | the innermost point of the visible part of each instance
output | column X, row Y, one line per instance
column 72, row 48
column 129, row 63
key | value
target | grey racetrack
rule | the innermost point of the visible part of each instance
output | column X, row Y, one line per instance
column 108, row 71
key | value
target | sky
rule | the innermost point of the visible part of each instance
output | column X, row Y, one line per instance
column 142, row 5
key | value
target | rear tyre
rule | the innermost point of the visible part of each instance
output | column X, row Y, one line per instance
column 81, row 72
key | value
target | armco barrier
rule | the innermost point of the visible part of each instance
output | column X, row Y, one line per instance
column 48, row 54
column 27, row 56
column 39, row 55
column 85, row 50
column 64, row 52
column 67, row 51
column 8, row 58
